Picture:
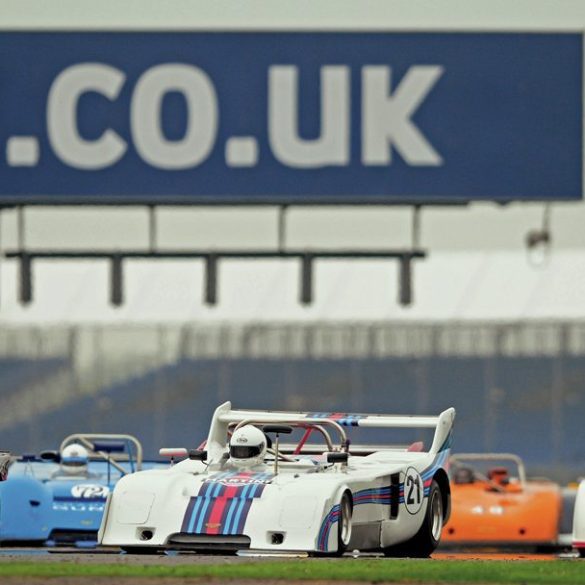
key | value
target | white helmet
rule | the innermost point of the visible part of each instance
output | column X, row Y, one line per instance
column 247, row 446
column 74, row 459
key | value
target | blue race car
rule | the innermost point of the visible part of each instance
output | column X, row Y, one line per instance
column 58, row 497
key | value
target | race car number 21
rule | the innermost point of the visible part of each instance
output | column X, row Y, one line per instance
column 413, row 491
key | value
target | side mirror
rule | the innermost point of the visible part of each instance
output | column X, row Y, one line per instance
column 197, row 455
column 278, row 429
column 109, row 446
column 54, row 456
column 337, row 457
column 173, row 453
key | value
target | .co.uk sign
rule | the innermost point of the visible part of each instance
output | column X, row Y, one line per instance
column 290, row 117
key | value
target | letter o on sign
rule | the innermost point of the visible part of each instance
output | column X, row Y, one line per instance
column 146, row 120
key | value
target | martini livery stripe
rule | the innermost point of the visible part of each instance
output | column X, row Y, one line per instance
column 331, row 519
column 372, row 496
column 383, row 495
column 377, row 496
column 439, row 462
column 448, row 442
column 343, row 418
column 223, row 503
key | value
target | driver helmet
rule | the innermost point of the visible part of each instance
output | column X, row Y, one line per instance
column 247, row 446
column 463, row 475
column 74, row 459
column 499, row 475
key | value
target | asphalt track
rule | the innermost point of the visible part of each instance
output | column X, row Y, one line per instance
column 97, row 556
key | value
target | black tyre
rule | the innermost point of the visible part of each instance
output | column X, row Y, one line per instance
column 345, row 524
column 581, row 552
column 547, row 549
column 141, row 550
column 426, row 540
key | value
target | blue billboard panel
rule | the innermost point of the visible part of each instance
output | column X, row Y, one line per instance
column 290, row 117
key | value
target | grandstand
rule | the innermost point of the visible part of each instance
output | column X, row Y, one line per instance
column 513, row 384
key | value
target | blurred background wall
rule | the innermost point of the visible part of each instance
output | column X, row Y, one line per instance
column 516, row 386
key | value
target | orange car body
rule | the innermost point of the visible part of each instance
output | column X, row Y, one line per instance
column 499, row 508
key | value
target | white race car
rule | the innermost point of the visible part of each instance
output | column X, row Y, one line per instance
column 246, row 492
column 579, row 521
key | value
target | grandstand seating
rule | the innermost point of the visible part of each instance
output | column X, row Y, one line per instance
column 19, row 373
column 503, row 404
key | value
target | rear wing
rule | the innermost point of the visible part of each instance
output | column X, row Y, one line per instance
column 224, row 416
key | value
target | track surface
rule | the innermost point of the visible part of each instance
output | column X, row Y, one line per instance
column 93, row 556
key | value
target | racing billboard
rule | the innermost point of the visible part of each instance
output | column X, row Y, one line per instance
column 290, row 117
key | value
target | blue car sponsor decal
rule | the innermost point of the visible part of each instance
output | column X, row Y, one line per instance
column 85, row 497
column 87, row 492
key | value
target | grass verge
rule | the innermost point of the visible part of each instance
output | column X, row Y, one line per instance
column 377, row 570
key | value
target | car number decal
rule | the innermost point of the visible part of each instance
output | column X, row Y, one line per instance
column 413, row 491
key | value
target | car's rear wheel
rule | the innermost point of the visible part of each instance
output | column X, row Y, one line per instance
column 426, row 540
column 581, row 552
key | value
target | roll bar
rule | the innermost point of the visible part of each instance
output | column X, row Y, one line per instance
column 88, row 439
column 464, row 457
column 224, row 416
column 316, row 423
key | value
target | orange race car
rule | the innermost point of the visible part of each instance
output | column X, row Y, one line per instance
column 493, row 504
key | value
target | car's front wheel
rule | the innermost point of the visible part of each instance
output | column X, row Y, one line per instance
column 344, row 528
column 141, row 550
column 426, row 540
column 345, row 523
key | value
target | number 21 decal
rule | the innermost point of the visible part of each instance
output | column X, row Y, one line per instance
column 413, row 490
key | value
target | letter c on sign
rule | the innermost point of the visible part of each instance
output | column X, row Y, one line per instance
column 62, row 128
column 149, row 139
